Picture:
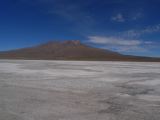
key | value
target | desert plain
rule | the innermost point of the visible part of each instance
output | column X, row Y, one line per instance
column 79, row 90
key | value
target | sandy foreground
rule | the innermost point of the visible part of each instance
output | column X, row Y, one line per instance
column 72, row 90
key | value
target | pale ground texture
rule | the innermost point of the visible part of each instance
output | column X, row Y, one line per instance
column 61, row 90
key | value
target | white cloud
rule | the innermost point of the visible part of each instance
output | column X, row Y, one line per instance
column 138, row 33
column 137, row 16
column 118, row 18
column 113, row 41
column 119, row 44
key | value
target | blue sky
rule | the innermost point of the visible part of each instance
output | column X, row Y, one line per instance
column 126, row 26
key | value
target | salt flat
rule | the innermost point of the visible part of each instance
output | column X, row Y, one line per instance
column 79, row 90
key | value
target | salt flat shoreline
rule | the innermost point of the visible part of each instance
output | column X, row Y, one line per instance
column 79, row 90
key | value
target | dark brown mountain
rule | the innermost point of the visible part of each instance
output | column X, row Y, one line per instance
column 69, row 50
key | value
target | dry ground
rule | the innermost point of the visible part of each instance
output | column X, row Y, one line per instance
column 72, row 90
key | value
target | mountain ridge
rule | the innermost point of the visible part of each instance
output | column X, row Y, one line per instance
column 70, row 50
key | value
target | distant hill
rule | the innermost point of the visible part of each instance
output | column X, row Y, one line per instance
column 69, row 50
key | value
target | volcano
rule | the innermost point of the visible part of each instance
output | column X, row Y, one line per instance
column 70, row 50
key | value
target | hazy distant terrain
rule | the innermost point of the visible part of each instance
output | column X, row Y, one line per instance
column 62, row 90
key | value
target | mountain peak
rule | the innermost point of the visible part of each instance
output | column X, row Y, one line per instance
column 74, row 42
column 69, row 50
column 65, row 42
